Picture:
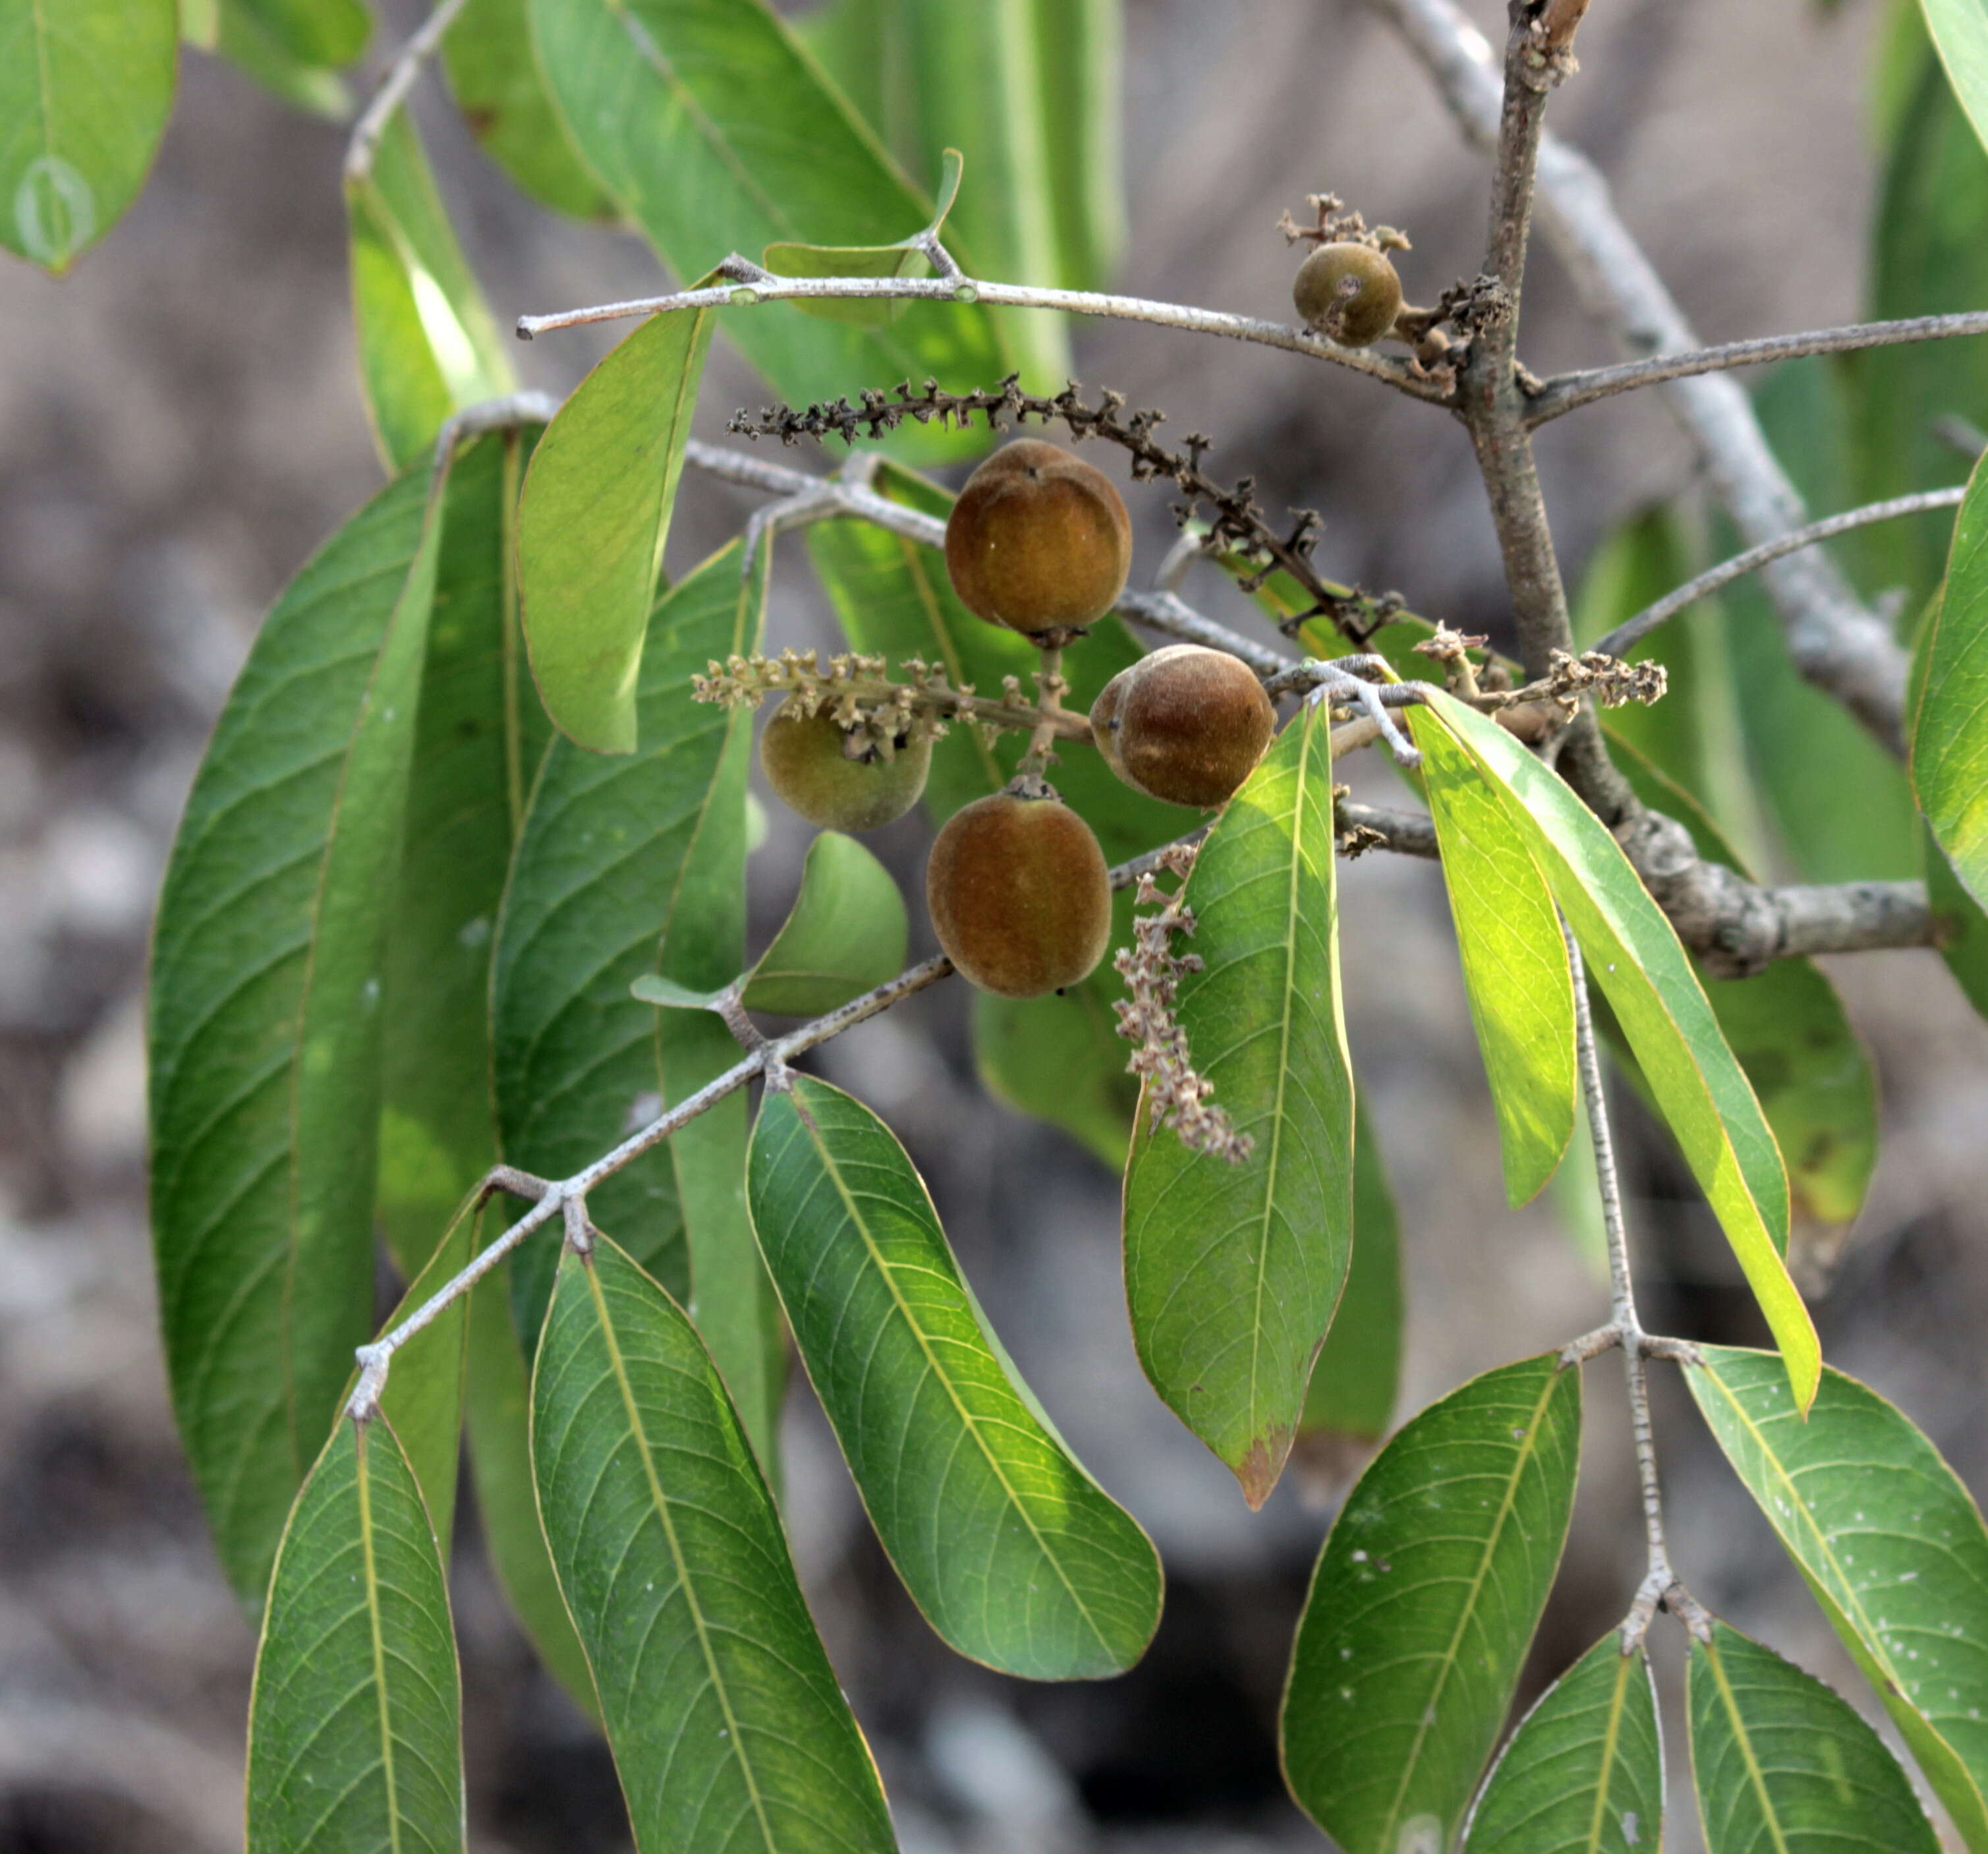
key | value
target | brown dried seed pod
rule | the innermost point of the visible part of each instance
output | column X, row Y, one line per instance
column 1186, row 724
column 1349, row 292
column 1038, row 541
column 809, row 766
column 1019, row 895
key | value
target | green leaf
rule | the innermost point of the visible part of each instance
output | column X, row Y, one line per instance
column 727, row 1728
column 243, row 39
column 355, row 1735
column 266, row 1021
column 717, row 132
column 498, row 87
column 1959, row 29
column 1787, row 1028
column 1891, row 1543
column 1232, row 1270
column 627, row 866
column 1963, row 926
column 1429, row 1588
column 1584, row 1772
column 596, row 514
column 1514, row 961
column 1949, row 723
column 328, row 32
column 1780, row 1762
column 1633, row 954
column 86, row 87
column 1013, row 1553
column 1058, row 1058
column 1354, row 1382
column 507, row 1500
column 846, row 931
column 903, row 258
column 1080, row 45
column 428, row 344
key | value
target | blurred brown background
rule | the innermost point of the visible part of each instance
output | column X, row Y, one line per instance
column 180, row 425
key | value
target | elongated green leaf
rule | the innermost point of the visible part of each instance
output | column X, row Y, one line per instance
column 243, row 39
column 847, row 931
column 328, row 32
column 1584, row 1772
column 727, row 1728
column 1232, row 1270
column 1015, row 1556
column 1514, row 961
column 596, row 514
column 1960, row 30
column 1354, row 1383
column 86, row 87
column 428, row 344
column 1949, row 726
column 717, row 132
column 1788, row 1029
column 1429, row 1588
column 507, row 1500
column 1780, row 1762
column 627, row 866
column 355, row 1736
column 1080, row 46
column 1963, row 925
column 265, row 1024
column 1058, row 1058
column 1890, row 1542
column 1633, row 954
column 501, row 93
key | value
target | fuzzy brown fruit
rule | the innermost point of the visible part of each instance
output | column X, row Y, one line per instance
column 1038, row 541
column 1018, row 895
column 1186, row 724
column 1349, row 292
column 810, row 767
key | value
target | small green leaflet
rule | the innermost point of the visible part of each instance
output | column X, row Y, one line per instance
column 1780, row 1762
column 265, row 1028
column 846, row 933
column 1232, row 1270
column 729, row 1731
column 1633, row 954
column 501, row 93
column 1889, row 1541
column 1584, row 1772
column 248, row 44
column 595, row 515
column 429, row 346
column 355, row 1736
column 1949, row 726
column 1959, row 28
column 1426, row 1594
column 1014, row 1554
column 86, row 86
column 1514, row 961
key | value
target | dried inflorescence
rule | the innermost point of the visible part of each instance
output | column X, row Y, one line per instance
column 1336, row 225
column 1239, row 526
column 1178, row 1096
column 1608, row 679
column 857, row 690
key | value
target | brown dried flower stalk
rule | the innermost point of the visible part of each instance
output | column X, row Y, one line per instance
column 1151, row 970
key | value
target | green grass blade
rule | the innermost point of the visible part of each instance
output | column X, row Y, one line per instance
column 729, row 1731
column 1015, row 1556
column 1232, row 1270
column 1426, row 1594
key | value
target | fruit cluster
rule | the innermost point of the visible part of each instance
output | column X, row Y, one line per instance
column 1040, row 542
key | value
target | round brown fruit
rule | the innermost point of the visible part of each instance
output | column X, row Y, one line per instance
column 1038, row 541
column 1349, row 292
column 1018, row 895
column 1186, row 724
column 809, row 765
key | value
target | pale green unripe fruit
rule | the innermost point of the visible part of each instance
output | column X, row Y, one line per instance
column 811, row 770
column 1349, row 292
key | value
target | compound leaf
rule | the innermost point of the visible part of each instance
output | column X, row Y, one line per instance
column 1015, row 1555
column 1426, row 1594
column 1232, row 1270
column 729, row 1731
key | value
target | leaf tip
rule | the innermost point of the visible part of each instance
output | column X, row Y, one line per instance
column 1263, row 1464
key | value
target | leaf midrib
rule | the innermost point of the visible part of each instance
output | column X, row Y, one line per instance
column 1744, row 1740
column 1610, row 1738
column 362, row 1478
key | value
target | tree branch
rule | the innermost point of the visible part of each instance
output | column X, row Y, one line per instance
column 393, row 88
column 1568, row 392
column 752, row 285
column 1836, row 643
column 1631, row 631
